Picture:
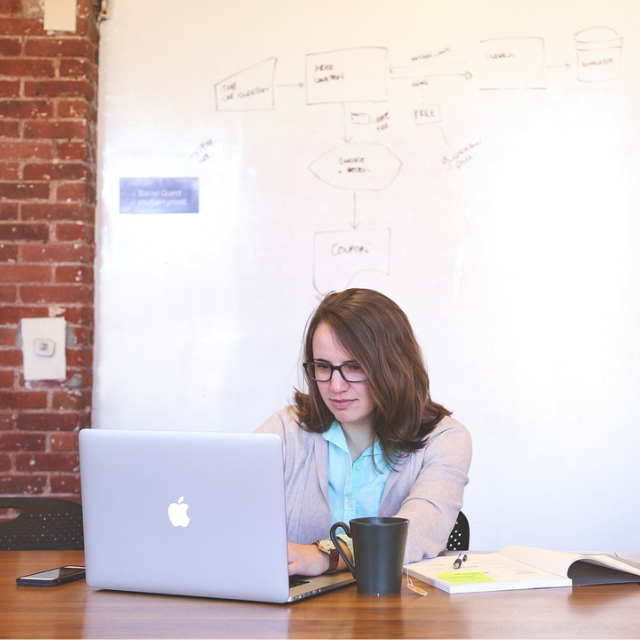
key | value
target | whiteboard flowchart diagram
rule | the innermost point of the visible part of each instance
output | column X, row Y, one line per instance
column 358, row 76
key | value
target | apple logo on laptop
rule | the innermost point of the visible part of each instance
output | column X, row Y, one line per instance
column 178, row 513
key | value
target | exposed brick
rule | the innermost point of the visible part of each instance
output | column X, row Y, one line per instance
column 24, row 191
column 25, row 67
column 65, row 484
column 78, row 68
column 73, row 151
column 10, row 46
column 64, row 441
column 7, row 418
column 79, row 358
column 51, row 294
column 23, row 484
column 9, row 210
column 9, row 129
column 23, row 399
column 25, row 273
column 79, row 274
column 8, row 252
column 24, row 150
column 8, row 336
column 47, row 461
column 9, row 89
column 8, row 170
column 81, row 191
column 33, row 9
column 61, row 129
column 41, row 385
column 55, row 171
column 60, row 252
column 23, row 231
column 10, row 358
column 48, row 114
column 9, row 7
column 60, row 88
column 6, row 380
column 74, row 231
column 79, row 315
column 5, row 462
column 50, row 421
column 26, row 109
column 55, row 211
column 76, row 109
column 21, row 26
column 12, row 314
column 16, row 441
column 79, row 335
column 80, row 378
column 70, row 47
column 8, row 294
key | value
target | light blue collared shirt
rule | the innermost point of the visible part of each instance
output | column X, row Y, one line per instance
column 355, row 489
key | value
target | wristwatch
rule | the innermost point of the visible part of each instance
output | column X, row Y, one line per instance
column 326, row 546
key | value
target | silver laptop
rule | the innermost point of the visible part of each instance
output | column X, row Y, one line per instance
column 189, row 513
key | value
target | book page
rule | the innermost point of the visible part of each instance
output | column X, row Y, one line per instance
column 484, row 568
column 559, row 562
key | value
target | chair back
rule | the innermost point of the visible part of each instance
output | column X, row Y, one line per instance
column 460, row 535
column 42, row 523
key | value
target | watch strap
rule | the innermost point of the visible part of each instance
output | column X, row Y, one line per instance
column 327, row 546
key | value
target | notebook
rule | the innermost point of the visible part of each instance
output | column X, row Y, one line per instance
column 189, row 513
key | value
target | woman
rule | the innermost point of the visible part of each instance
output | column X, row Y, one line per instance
column 367, row 439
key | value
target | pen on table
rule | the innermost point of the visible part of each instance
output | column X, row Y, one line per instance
column 459, row 560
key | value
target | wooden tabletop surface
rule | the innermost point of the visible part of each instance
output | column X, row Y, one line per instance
column 76, row 611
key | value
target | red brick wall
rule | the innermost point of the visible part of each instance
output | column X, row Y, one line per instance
column 48, row 104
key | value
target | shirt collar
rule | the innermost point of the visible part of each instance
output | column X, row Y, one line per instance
column 335, row 435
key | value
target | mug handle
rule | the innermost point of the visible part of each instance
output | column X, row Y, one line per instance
column 334, row 539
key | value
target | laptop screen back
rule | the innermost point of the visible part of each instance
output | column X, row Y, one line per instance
column 185, row 513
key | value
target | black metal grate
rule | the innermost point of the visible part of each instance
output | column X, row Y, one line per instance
column 42, row 523
column 459, row 537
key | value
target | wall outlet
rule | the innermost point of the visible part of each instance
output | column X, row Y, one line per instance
column 44, row 348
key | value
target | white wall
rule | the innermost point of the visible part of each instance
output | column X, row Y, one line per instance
column 495, row 198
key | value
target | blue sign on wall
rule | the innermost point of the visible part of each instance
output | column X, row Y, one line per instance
column 159, row 195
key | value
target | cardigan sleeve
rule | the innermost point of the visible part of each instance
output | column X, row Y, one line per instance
column 429, row 487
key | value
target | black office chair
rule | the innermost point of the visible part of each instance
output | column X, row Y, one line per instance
column 459, row 537
column 43, row 523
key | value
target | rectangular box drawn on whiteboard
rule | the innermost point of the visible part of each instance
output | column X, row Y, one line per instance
column 159, row 195
column 347, row 75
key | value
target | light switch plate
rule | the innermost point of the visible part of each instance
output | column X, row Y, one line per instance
column 44, row 348
column 60, row 15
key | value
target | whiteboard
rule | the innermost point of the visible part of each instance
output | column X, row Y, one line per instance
column 475, row 160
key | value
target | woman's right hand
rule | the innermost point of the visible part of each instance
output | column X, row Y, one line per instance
column 306, row 559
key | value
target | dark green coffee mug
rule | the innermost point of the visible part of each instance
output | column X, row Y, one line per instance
column 378, row 548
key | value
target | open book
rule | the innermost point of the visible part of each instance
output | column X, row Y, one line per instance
column 522, row 568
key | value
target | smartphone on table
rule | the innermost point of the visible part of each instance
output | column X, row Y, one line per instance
column 52, row 577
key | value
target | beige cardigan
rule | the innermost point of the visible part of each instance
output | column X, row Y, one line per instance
column 426, row 486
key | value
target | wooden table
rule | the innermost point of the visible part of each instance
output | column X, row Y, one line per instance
column 75, row 611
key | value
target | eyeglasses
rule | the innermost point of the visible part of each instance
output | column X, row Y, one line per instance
column 322, row 371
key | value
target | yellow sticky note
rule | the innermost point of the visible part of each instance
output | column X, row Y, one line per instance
column 465, row 577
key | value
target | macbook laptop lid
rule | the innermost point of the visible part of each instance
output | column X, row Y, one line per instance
column 189, row 513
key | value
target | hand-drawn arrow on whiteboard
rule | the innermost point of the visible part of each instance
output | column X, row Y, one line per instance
column 355, row 224
column 425, row 71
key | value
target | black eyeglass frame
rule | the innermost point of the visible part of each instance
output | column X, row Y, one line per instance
column 310, row 364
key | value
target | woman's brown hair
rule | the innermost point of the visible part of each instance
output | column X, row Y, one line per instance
column 377, row 334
